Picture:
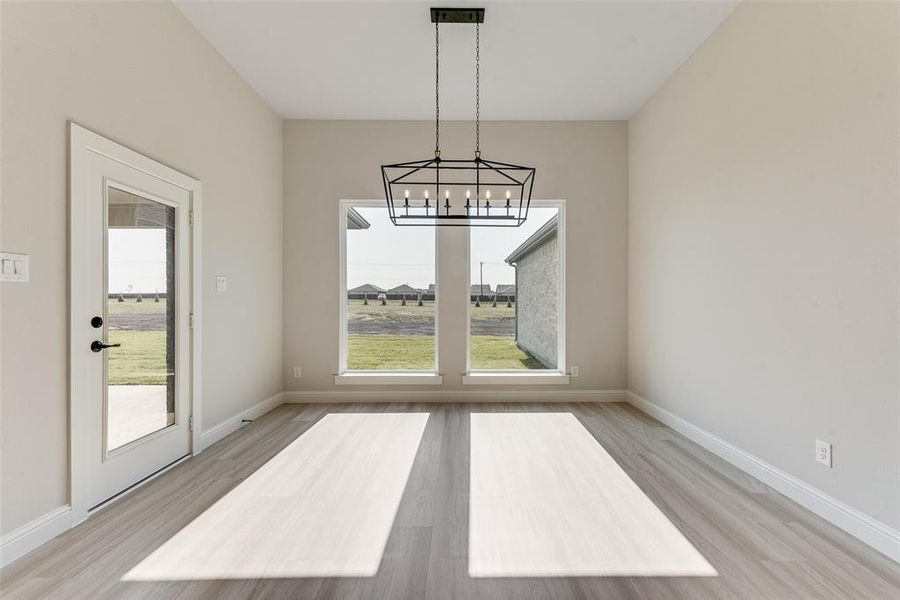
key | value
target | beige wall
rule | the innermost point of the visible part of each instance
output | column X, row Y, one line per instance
column 763, row 243
column 583, row 163
column 140, row 74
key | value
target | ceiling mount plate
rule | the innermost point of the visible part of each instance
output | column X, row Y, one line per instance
column 457, row 15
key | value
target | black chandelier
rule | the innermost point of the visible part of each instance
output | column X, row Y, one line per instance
column 430, row 192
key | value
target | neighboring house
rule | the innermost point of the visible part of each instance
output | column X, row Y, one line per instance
column 537, row 303
column 365, row 290
column 404, row 289
column 506, row 290
column 356, row 220
column 479, row 291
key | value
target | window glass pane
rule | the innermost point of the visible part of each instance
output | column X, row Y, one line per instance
column 390, row 294
column 514, row 294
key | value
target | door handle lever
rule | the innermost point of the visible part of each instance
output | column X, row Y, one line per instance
column 97, row 346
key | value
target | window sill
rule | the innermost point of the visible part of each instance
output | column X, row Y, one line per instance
column 513, row 378
column 387, row 378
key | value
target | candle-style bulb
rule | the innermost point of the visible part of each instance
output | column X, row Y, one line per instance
column 406, row 198
column 468, row 194
column 446, row 194
column 507, row 198
column 487, row 194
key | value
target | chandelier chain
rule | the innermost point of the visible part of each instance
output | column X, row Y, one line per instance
column 477, row 91
column 437, row 103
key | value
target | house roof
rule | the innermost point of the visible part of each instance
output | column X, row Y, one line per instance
column 476, row 289
column 403, row 288
column 546, row 232
column 506, row 288
column 356, row 220
column 366, row 288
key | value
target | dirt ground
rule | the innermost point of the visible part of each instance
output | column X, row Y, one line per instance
column 136, row 316
column 394, row 319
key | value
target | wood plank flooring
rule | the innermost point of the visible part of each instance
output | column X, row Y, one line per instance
column 762, row 545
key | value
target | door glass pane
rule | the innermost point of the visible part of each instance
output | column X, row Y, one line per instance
column 140, row 373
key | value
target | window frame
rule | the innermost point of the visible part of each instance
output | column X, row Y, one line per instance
column 523, row 376
column 347, row 376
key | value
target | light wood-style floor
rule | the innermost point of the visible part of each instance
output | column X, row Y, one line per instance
column 761, row 545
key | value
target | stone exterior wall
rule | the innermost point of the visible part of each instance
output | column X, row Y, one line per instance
column 537, row 309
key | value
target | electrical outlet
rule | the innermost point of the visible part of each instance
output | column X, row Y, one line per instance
column 296, row 372
column 221, row 283
column 574, row 371
column 823, row 453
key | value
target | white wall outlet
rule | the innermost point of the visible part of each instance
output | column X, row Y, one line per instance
column 296, row 372
column 221, row 283
column 13, row 267
column 574, row 371
column 823, row 453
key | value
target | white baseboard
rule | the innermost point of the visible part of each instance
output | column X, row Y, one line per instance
column 21, row 541
column 468, row 395
column 217, row 432
column 876, row 534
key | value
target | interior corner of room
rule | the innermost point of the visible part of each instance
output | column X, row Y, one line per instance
column 657, row 272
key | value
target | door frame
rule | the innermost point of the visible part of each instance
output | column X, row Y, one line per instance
column 83, row 143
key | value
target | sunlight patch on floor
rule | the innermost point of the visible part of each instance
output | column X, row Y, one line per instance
column 323, row 507
column 547, row 500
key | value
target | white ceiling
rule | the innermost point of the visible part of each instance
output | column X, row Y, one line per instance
column 375, row 60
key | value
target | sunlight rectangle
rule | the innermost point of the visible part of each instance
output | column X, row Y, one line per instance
column 323, row 507
column 547, row 500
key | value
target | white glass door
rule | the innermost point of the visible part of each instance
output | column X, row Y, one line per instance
column 131, row 337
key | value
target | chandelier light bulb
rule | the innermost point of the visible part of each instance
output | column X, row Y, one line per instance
column 429, row 173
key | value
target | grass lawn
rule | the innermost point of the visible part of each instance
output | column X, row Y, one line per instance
column 142, row 357
column 387, row 352
column 140, row 361
column 356, row 308
column 492, row 352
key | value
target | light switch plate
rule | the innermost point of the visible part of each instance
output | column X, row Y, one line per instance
column 221, row 283
column 13, row 267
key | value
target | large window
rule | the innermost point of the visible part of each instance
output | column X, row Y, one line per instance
column 389, row 312
column 515, row 298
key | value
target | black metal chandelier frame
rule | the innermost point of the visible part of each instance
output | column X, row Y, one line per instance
column 452, row 179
